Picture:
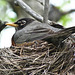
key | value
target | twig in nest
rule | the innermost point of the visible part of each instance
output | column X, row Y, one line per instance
column 43, row 54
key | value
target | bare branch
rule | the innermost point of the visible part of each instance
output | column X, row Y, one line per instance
column 46, row 11
column 30, row 11
column 68, row 12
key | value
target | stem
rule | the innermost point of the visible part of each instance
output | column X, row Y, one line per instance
column 46, row 11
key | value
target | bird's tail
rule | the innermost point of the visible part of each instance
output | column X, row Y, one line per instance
column 66, row 32
column 60, row 35
column 69, row 30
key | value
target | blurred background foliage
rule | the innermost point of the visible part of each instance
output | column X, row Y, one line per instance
column 66, row 18
column 7, row 13
column 64, row 3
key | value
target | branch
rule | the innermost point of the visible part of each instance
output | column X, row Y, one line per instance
column 30, row 11
column 56, row 17
column 70, row 11
column 67, row 12
column 46, row 11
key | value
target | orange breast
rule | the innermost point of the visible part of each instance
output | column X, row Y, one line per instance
column 25, row 43
column 22, row 44
column 13, row 43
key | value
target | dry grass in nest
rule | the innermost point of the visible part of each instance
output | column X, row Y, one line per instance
column 38, row 59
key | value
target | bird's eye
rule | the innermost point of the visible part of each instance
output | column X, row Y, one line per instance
column 23, row 22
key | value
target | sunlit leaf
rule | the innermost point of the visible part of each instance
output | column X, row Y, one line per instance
column 65, row 19
column 64, row 3
column 2, row 2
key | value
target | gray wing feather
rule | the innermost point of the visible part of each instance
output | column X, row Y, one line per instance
column 33, row 31
column 31, row 35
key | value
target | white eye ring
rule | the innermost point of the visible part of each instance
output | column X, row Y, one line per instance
column 24, row 21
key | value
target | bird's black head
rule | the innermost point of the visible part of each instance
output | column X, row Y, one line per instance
column 23, row 22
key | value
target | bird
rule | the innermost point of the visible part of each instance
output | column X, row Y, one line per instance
column 29, row 30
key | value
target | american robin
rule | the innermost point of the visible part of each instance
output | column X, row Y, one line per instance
column 28, row 30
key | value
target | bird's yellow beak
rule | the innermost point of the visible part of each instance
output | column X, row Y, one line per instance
column 12, row 24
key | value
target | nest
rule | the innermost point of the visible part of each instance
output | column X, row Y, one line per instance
column 38, row 59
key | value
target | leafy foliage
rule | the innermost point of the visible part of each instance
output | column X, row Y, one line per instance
column 65, row 2
column 65, row 19
column 5, row 10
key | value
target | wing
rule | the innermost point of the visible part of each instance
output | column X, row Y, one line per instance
column 31, row 35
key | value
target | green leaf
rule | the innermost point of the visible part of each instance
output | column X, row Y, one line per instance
column 2, row 2
column 64, row 3
column 12, row 19
column 65, row 19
